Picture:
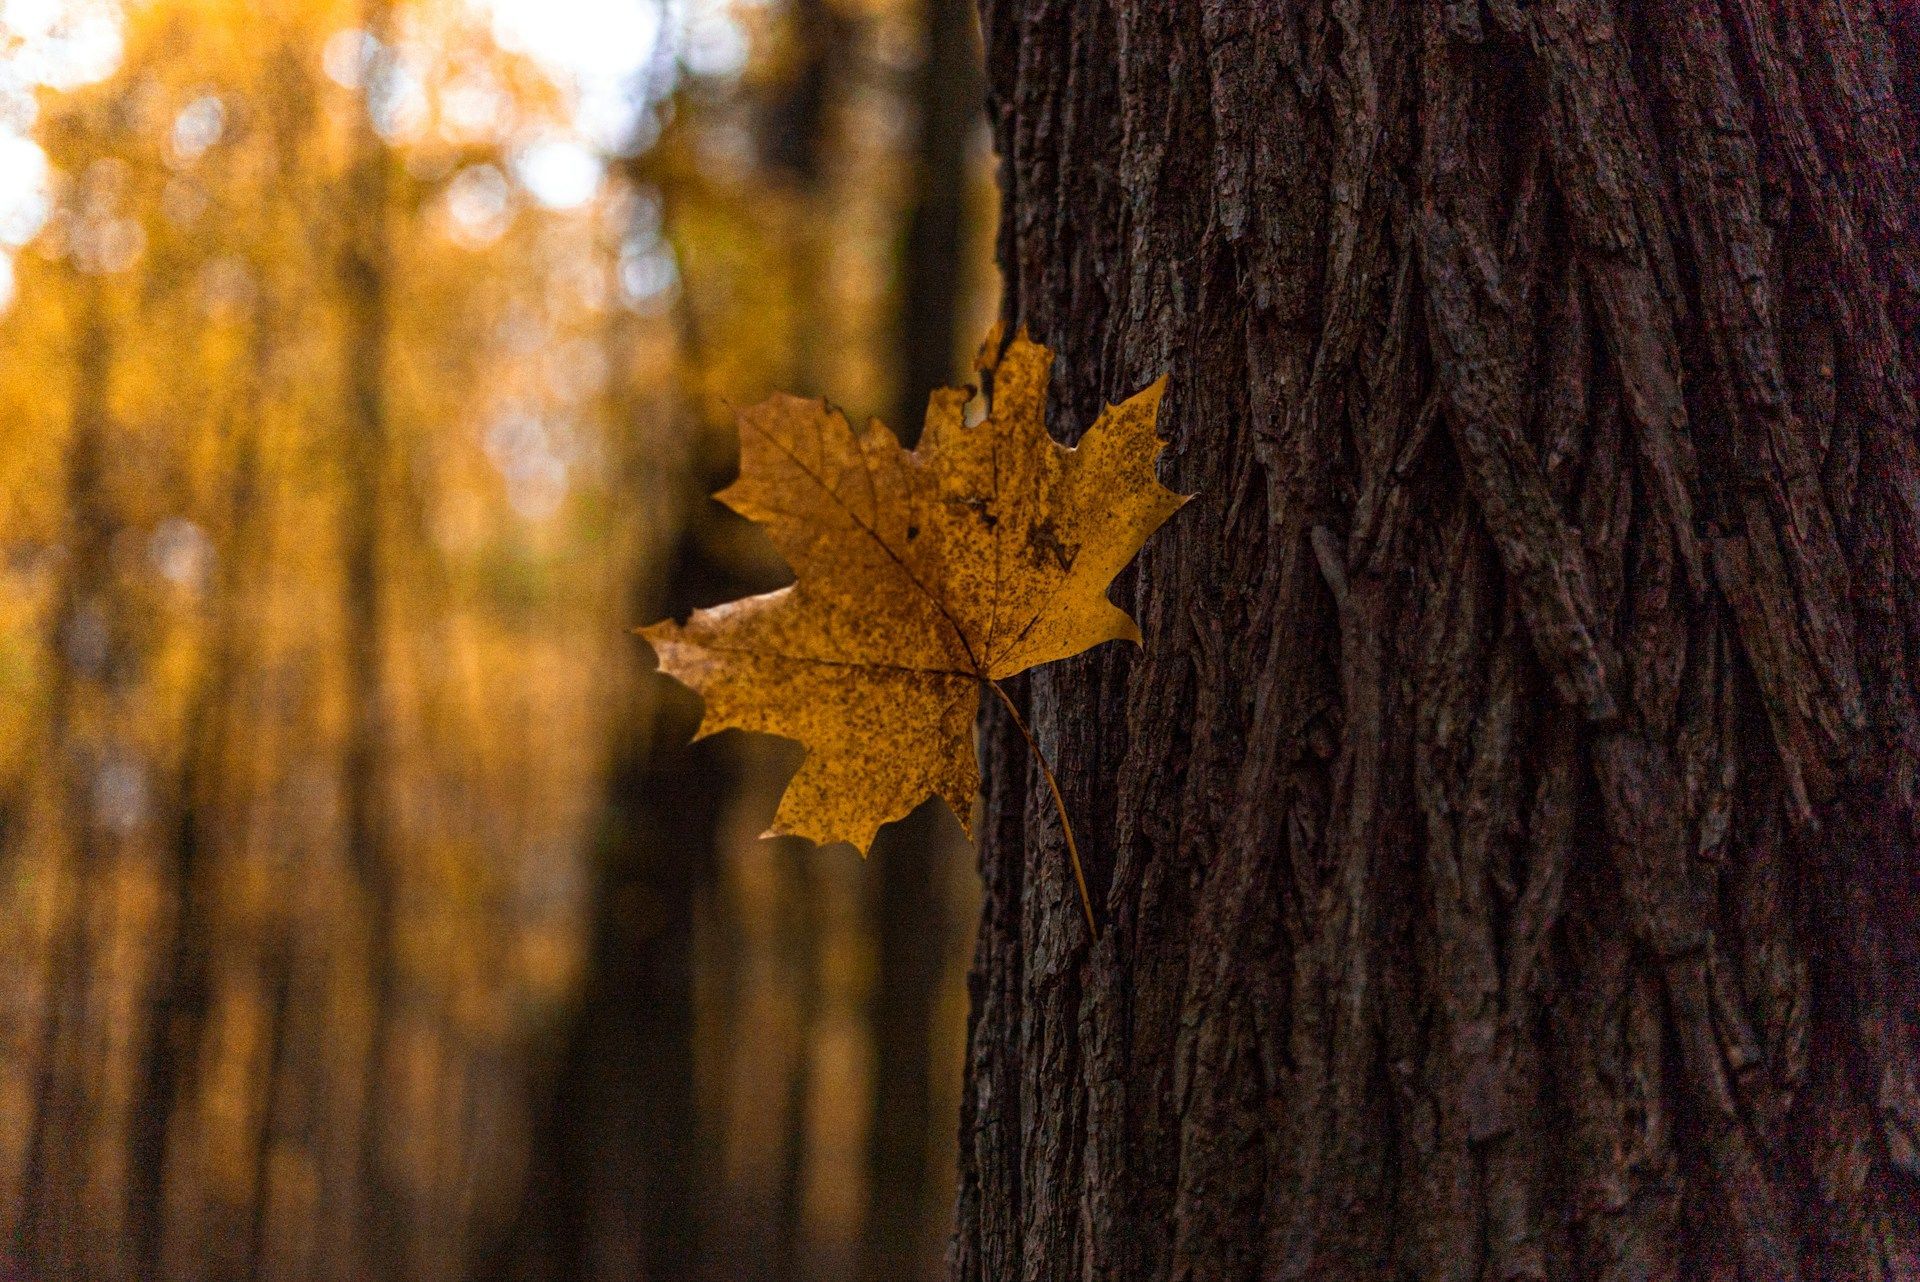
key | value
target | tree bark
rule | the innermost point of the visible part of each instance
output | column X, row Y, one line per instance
column 1506, row 838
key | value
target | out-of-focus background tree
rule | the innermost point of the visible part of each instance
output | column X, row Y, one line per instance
column 364, row 373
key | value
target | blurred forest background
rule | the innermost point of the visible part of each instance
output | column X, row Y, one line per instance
column 364, row 373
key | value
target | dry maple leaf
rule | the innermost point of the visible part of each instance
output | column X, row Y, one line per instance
column 921, row 576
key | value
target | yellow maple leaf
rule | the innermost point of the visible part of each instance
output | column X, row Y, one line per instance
column 921, row 576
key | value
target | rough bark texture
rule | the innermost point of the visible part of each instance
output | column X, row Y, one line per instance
column 1507, row 838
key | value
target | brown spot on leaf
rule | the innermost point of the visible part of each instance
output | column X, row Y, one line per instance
column 1044, row 541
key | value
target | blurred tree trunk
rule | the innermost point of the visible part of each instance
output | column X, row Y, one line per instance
column 616, row 1181
column 907, row 908
column 166, row 1072
column 366, row 451
column 1506, row 839
column 87, row 649
column 800, row 948
column 796, row 133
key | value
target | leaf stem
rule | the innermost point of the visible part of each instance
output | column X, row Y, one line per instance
column 1053, row 786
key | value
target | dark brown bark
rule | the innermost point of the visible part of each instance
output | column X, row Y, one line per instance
column 1507, row 836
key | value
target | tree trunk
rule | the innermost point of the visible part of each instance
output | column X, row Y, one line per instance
column 181, row 991
column 618, row 1184
column 615, row 1183
column 92, row 660
column 385, row 1219
column 1506, row 839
